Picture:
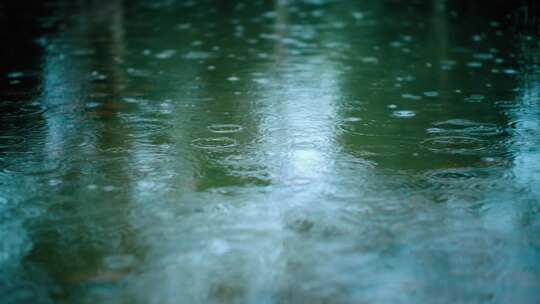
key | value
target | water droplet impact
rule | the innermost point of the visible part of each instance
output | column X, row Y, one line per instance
column 474, row 64
column 474, row 98
column 372, row 60
column 431, row 94
column 165, row 54
column 454, row 144
column 214, row 143
column 404, row 114
column 109, row 188
column 225, row 128
column 411, row 96
column 197, row 55
column 15, row 75
column 464, row 127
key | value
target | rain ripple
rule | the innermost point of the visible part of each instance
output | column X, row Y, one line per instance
column 225, row 128
column 460, row 136
column 216, row 143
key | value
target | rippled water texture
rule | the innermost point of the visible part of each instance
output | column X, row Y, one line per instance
column 310, row 151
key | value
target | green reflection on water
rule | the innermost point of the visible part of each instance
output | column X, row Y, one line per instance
column 271, row 152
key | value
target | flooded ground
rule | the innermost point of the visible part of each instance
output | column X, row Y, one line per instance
column 310, row 151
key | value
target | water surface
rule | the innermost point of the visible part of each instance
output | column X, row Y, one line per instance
column 269, row 152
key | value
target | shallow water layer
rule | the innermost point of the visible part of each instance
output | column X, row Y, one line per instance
column 269, row 152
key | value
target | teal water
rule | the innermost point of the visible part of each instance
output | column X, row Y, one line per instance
column 269, row 152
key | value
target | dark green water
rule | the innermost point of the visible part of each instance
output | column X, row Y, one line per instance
column 269, row 152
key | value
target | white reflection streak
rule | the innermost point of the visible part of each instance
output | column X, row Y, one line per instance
column 298, row 140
